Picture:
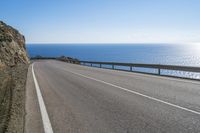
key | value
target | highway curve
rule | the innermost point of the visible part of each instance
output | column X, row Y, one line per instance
column 81, row 99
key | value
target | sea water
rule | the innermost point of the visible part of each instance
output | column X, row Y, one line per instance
column 169, row 54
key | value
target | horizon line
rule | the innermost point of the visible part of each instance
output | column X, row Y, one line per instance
column 109, row 43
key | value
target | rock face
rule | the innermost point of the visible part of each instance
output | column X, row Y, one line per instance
column 12, row 47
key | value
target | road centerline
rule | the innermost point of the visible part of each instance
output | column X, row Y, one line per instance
column 45, row 118
column 137, row 93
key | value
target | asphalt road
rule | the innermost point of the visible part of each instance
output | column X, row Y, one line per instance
column 80, row 99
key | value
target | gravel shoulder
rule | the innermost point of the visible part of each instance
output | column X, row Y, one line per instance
column 12, row 98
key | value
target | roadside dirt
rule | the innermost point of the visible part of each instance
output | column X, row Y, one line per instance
column 12, row 99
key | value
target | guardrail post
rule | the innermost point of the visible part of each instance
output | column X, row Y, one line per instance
column 158, row 71
column 113, row 67
column 100, row 65
column 91, row 64
column 131, row 68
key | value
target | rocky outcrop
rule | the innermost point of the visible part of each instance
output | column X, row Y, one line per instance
column 61, row 58
column 69, row 59
column 12, row 47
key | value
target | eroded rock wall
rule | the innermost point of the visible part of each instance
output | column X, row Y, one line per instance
column 12, row 47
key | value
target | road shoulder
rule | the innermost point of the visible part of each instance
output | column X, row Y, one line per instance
column 33, row 121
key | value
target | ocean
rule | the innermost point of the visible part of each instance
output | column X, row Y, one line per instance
column 170, row 54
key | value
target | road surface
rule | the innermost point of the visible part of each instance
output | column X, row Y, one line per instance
column 81, row 99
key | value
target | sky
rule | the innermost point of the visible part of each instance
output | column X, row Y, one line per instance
column 104, row 21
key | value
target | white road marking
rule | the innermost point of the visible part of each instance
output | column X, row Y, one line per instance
column 137, row 93
column 156, row 76
column 135, row 73
column 164, row 77
column 45, row 118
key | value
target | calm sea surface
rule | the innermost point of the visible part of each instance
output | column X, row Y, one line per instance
column 187, row 55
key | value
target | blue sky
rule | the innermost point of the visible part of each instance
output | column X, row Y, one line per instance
column 104, row 21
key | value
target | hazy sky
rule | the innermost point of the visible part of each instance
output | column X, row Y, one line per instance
column 104, row 21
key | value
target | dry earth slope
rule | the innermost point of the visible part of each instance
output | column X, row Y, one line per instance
column 13, row 70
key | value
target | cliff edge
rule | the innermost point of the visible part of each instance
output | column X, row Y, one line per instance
column 14, row 63
column 12, row 47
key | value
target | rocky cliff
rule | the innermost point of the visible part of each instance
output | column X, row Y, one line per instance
column 12, row 47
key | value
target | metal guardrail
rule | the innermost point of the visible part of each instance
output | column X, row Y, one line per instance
column 154, row 66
